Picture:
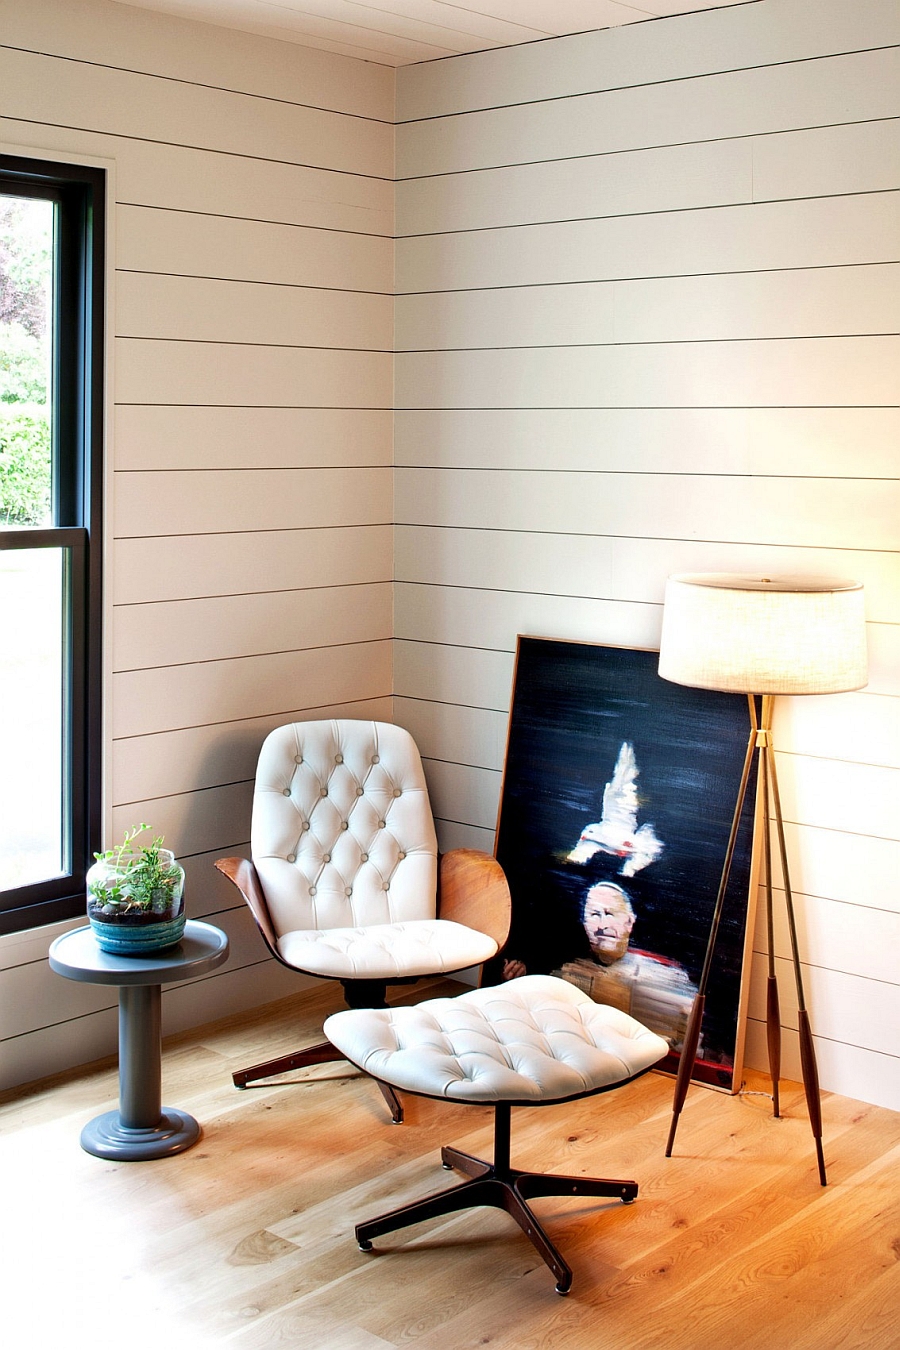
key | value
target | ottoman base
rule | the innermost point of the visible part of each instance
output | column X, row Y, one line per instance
column 503, row 1187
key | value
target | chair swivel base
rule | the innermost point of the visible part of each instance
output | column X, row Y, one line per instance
column 302, row 1059
column 502, row 1187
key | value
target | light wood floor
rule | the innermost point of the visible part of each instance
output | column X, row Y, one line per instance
column 246, row 1240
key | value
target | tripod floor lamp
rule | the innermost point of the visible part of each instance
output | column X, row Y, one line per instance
column 762, row 636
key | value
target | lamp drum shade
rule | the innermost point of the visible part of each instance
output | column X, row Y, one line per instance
column 764, row 635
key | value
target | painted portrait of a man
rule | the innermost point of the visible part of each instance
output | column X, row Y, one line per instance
column 616, row 806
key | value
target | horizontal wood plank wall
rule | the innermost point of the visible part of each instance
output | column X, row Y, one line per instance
column 250, row 495
column 646, row 322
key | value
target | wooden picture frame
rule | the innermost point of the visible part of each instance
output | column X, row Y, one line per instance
column 618, row 794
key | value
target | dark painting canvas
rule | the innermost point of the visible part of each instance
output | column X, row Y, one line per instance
column 618, row 797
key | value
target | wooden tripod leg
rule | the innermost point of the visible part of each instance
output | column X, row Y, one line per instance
column 773, row 1039
column 692, row 1035
column 807, row 1050
column 773, row 1010
column 811, row 1086
column 686, row 1065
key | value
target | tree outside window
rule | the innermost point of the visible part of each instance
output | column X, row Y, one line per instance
column 26, row 314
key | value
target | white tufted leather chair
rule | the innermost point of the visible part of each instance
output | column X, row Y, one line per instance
column 345, row 880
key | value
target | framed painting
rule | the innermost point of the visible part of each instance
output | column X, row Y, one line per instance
column 617, row 801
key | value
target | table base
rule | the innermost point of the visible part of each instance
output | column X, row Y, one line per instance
column 107, row 1137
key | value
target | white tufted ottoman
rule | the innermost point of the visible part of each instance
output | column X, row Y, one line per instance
column 529, row 1042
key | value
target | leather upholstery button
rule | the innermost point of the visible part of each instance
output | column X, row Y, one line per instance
column 364, row 857
column 292, row 857
column 386, row 886
column 397, row 792
column 359, row 792
column 298, row 759
column 324, row 792
column 326, row 857
column 348, row 890
column 312, row 890
column 344, row 825
column 339, row 759
column 286, row 792
column 381, row 825
column 376, row 759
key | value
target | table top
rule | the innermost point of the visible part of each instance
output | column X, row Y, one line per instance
column 77, row 956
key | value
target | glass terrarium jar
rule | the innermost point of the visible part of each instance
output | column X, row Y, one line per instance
column 135, row 900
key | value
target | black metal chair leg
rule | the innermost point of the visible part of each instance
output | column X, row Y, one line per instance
column 466, row 1196
column 515, row 1205
column 464, row 1162
column 392, row 1100
column 357, row 994
column 323, row 1053
column 531, row 1184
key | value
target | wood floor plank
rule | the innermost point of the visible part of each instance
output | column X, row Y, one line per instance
column 867, row 1318
column 247, row 1239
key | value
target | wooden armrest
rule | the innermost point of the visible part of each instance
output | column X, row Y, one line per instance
column 472, row 890
column 243, row 874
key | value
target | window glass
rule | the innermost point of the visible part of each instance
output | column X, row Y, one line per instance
column 33, row 676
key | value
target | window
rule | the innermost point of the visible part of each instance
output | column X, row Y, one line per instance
column 51, row 380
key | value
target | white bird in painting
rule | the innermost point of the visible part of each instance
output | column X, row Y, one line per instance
column 617, row 831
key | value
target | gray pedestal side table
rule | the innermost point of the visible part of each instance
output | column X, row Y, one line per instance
column 141, row 1127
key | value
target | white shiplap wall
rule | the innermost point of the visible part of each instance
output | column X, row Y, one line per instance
column 249, row 531
column 647, row 317
column 659, row 263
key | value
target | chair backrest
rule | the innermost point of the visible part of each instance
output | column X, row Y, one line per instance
column 342, row 833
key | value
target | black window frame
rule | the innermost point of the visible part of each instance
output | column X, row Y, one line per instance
column 77, row 450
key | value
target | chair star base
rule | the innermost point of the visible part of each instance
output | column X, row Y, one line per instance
column 500, row 1186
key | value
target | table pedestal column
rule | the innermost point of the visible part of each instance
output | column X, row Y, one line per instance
column 141, row 1127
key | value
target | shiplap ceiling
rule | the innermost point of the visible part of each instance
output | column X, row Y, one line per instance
column 399, row 32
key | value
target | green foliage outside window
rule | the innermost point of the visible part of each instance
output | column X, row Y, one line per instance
column 24, row 465
column 26, row 245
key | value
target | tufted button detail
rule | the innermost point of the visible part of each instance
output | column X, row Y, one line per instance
column 344, row 825
column 401, row 855
column 376, row 759
column 312, row 890
column 339, row 759
column 324, row 792
column 382, row 825
column 397, row 792
column 348, row 890
column 364, row 857
column 292, row 857
column 326, row 857
column 359, row 792
column 298, row 759
column 306, row 824
column 285, row 792
column 386, row 886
